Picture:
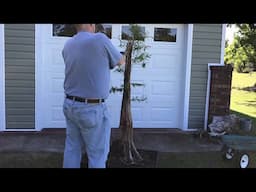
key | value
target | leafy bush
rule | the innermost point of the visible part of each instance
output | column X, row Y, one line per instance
column 241, row 52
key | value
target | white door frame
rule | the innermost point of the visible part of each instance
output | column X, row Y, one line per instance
column 2, row 80
column 189, row 43
column 39, row 74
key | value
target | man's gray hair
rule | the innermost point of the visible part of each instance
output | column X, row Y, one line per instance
column 77, row 26
column 99, row 28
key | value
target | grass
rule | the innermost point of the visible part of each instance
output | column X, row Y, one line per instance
column 30, row 160
column 241, row 80
column 164, row 160
column 17, row 159
column 199, row 160
column 243, row 103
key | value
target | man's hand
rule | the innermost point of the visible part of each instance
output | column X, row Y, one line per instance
column 122, row 60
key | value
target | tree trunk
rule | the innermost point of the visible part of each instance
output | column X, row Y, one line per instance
column 130, row 153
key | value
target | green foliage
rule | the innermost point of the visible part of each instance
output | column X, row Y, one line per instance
column 116, row 89
column 137, row 33
column 137, row 84
column 238, row 55
column 139, row 99
column 140, row 56
column 247, row 33
column 242, row 51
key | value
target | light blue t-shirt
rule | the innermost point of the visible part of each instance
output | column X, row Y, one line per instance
column 88, row 59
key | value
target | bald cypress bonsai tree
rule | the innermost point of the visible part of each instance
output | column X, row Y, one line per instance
column 135, row 53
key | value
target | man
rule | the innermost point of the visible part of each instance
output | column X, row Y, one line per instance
column 88, row 58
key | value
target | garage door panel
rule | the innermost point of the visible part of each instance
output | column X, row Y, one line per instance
column 137, row 114
column 162, row 114
column 57, row 85
column 56, row 53
column 162, row 87
column 57, row 74
column 166, row 62
column 169, row 63
column 162, row 124
column 115, row 98
column 138, row 90
column 163, row 50
column 56, row 115
column 139, row 76
column 138, row 104
column 137, row 67
column 163, row 101
column 56, row 99
column 165, row 75
column 116, row 79
column 115, row 116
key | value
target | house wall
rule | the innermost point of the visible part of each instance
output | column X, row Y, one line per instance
column 20, row 72
column 20, row 76
column 206, row 49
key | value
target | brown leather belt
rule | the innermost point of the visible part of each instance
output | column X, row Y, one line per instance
column 80, row 99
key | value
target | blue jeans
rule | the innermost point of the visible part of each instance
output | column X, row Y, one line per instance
column 88, row 125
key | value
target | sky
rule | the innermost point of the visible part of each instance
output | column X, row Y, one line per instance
column 230, row 33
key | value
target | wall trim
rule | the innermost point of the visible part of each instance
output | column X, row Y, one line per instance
column 208, row 93
column 38, row 77
column 2, row 80
column 223, row 40
column 20, row 130
column 188, row 76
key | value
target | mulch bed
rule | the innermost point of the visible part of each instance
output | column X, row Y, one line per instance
column 114, row 160
column 149, row 158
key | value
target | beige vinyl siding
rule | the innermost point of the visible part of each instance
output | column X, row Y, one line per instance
column 20, row 76
column 206, row 49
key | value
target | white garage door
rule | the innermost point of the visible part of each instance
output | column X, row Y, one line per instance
column 163, row 76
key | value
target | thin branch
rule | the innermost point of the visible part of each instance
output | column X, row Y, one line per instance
column 116, row 89
column 136, row 98
column 138, row 84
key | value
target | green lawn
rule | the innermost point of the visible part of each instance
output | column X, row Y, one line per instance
column 243, row 79
column 243, row 102
column 164, row 160
column 201, row 160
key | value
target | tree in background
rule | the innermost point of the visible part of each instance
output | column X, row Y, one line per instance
column 241, row 52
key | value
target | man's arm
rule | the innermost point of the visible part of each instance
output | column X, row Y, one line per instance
column 122, row 60
column 115, row 57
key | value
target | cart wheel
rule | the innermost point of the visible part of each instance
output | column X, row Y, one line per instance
column 227, row 153
column 244, row 161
